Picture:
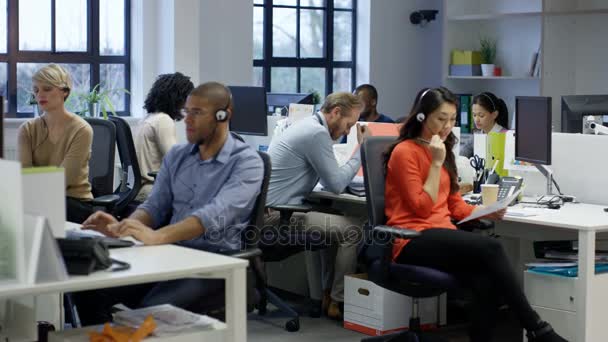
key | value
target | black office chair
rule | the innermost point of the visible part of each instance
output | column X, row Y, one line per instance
column 101, row 164
column 129, row 187
column 411, row 280
column 279, row 243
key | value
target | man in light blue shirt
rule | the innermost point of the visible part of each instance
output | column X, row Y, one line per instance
column 202, row 198
column 302, row 156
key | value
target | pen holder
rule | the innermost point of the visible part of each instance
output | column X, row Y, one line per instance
column 477, row 187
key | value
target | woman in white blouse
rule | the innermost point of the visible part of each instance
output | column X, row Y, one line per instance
column 490, row 113
column 156, row 132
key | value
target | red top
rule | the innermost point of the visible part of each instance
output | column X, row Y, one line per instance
column 407, row 204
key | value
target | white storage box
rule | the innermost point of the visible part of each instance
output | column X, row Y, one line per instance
column 373, row 310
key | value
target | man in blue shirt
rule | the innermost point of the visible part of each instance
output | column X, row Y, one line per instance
column 369, row 96
column 202, row 198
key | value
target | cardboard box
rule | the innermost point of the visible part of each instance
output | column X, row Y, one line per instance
column 465, row 70
column 373, row 310
column 465, row 57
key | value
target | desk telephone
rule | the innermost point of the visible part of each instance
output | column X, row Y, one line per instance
column 84, row 255
column 507, row 186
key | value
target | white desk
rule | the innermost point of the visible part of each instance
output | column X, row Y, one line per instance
column 575, row 221
column 160, row 263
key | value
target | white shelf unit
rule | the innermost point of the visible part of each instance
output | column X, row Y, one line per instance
column 569, row 34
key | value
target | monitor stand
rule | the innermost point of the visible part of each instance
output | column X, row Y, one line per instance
column 548, row 175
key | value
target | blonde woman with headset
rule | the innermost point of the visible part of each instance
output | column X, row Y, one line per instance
column 59, row 138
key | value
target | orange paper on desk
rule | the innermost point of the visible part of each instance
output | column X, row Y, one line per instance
column 377, row 129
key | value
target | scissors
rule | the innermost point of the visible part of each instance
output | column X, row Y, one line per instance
column 478, row 163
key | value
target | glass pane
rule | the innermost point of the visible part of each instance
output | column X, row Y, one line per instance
column 261, row 2
column 284, row 32
column 3, row 80
column 314, row 3
column 258, row 76
column 35, row 25
column 112, row 27
column 283, row 80
column 112, row 78
column 71, row 25
column 258, row 32
column 311, row 33
column 3, row 27
column 343, row 3
column 342, row 80
column 311, row 80
column 24, row 85
column 81, row 80
column 80, row 74
column 285, row 2
column 343, row 36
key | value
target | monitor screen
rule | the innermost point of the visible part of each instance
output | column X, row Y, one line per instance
column 284, row 99
column 574, row 107
column 249, row 110
column 533, row 129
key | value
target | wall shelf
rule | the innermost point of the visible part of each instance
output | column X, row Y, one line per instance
column 492, row 16
column 493, row 78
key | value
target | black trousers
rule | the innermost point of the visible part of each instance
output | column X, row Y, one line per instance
column 77, row 211
column 480, row 263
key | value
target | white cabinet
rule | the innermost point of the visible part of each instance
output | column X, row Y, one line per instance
column 569, row 33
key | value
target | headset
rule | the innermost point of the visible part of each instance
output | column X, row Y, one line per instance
column 222, row 114
column 420, row 116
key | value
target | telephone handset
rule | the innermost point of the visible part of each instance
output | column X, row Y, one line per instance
column 507, row 186
column 84, row 255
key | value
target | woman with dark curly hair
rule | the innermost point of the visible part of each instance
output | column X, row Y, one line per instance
column 156, row 132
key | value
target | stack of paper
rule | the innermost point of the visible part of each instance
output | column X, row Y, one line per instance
column 170, row 320
column 357, row 186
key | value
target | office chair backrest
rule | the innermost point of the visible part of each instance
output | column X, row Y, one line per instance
column 101, row 164
column 128, row 161
column 257, row 216
column 372, row 160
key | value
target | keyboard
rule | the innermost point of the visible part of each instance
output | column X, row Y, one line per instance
column 108, row 241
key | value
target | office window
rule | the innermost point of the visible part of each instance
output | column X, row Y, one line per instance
column 90, row 38
column 304, row 45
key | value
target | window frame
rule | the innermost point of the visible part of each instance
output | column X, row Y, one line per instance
column 91, row 56
column 268, row 61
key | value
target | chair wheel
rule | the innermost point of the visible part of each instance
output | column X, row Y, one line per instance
column 293, row 325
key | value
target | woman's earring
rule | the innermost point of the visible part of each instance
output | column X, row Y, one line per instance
column 420, row 117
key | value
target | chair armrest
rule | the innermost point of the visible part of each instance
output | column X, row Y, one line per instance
column 105, row 201
column 481, row 224
column 294, row 208
column 249, row 253
column 401, row 233
column 153, row 174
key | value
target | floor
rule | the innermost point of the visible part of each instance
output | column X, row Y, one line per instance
column 270, row 328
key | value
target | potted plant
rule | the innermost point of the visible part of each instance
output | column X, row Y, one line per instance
column 99, row 101
column 488, row 55
column 32, row 102
column 316, row 98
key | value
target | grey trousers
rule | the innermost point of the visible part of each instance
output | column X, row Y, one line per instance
column 326, row 268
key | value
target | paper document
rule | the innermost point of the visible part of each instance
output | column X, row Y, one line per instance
column 169, row 319
column 492, row 208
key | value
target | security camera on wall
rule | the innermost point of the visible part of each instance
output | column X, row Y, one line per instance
column 422, row 17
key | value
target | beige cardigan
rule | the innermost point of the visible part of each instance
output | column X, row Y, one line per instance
column 72, row 152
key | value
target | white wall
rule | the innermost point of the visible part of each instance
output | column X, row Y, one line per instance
column 398, row 58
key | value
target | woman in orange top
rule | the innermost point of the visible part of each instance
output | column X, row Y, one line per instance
column 422, row 194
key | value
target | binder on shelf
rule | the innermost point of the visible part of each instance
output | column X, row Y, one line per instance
column 465, row 118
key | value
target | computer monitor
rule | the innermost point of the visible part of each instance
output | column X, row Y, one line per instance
column 533, row 133
column 533, row 129
column 575, row 107
column 1, row 127
column 249, row 110
column 281, row 100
